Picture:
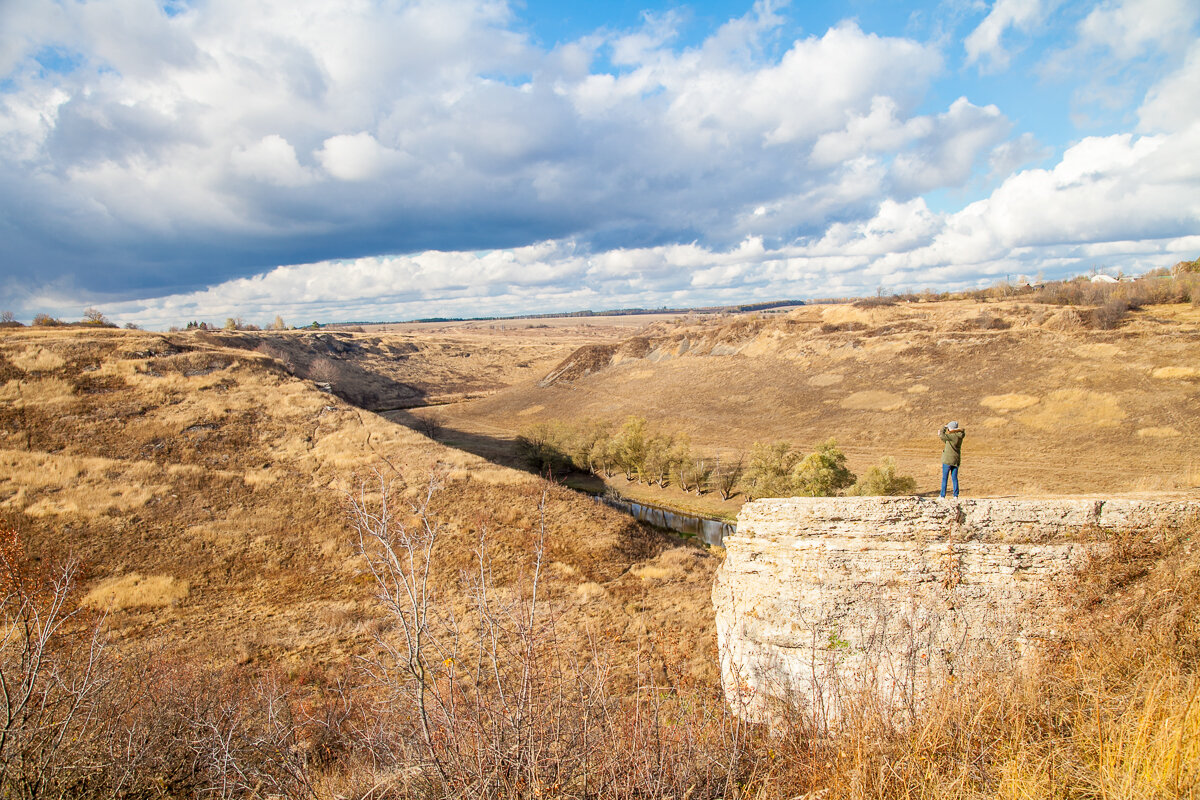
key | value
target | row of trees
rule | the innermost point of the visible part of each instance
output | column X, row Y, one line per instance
column 92, row 318
column 239, row 324
column 646, row 455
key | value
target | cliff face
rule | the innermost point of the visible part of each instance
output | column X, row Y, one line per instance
column 824, row 600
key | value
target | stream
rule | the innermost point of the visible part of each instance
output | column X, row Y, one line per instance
column 710, row 531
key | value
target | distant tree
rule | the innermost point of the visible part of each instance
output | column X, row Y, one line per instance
column 822, row 473
column 589, row 444
column 659, row 459
column 46, row 321
column 631, row 447
column 8, row 317
column 727, row 474
column 542, row 448
column 278, row 324
column 316, row 326
column 93, row 316
column 133, row 326
column 769, row 473
column 232, row 324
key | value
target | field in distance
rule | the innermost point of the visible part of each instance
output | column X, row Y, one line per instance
column 1052, row 405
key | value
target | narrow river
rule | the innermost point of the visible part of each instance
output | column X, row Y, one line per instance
column 710, row 531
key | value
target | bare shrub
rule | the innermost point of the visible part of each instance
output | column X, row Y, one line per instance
column 52, row 675
column 428, row 425
column 1110, row 315
column 490, row 703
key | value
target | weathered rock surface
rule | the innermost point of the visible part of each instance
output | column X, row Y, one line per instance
column 822, row 601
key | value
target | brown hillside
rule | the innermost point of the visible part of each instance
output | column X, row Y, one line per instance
column 1051, row 405
column 204, row 486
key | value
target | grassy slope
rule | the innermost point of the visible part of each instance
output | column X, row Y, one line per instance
column 180, row 460
column 1050, row 407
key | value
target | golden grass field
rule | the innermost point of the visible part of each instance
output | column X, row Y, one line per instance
column 1050, row 407
column 205, row 488
column 204, row 480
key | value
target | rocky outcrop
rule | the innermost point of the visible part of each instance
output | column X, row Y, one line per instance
column 825, row 601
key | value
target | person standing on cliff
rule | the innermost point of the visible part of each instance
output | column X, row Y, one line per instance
column 953, row 436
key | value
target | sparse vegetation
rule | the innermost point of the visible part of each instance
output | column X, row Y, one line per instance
column 778, row 470
column 883, row 480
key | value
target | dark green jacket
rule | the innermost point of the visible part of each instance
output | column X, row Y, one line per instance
column 952, row 453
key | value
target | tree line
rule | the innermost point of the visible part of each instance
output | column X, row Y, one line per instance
column 648, row 455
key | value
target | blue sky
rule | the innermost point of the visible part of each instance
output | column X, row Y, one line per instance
column 392, row 160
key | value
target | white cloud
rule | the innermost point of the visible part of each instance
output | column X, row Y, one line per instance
column 271, row 159
column 1130, row 27
column 357, row 157
column 1171, row 105
column 984, row 44
column 951, row 151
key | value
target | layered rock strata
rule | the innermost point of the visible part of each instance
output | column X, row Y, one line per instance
column 825, row 601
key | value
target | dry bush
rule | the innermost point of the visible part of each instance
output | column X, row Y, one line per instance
column 53, row 677
column 491, row 703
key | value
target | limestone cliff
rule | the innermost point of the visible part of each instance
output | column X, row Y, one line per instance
column 824, row 600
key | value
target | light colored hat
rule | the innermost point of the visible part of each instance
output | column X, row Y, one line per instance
column 953, row 426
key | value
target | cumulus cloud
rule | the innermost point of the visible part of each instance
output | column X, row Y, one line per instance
column 1131, row 27
column 179, row 151
column 985, row 46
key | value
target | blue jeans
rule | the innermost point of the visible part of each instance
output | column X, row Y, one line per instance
column 952, row 471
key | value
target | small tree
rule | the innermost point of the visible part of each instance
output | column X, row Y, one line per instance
column 541, row 447
column 659, row 459
column 588, row 444
column 631, row 447
column 8, row 317
column 727, row 474
column 93, row 316
column 769, row 471
column 278, row 324
column 882, row 480
column 822, row 473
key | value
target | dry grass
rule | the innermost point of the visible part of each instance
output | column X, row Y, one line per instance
column 1075, row 408
column 1024, row 393
column 148, row 456
column 212, row 500
column 1176, row 373
column 136, row 591
column 1008, row 402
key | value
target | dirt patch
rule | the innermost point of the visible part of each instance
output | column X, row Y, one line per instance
column 1075, row 408
column 1008, row 402
column 1100, row 350
column 826, row 379
column 1158, row 433
column 873, row 400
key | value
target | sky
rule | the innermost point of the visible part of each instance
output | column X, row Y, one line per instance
column 372, row 160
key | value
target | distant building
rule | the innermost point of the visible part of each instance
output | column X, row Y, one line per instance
column 1104, row 279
